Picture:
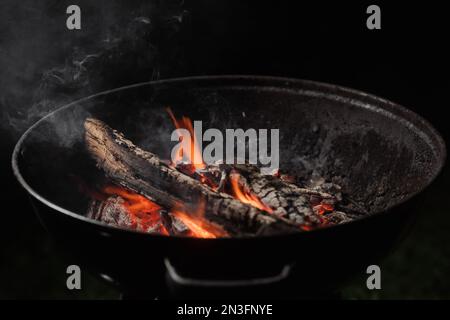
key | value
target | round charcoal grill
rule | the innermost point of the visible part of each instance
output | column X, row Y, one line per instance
column 383, row 154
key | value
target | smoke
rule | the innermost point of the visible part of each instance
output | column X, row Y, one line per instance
column 45, row 66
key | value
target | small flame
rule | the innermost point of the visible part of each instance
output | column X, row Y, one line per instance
column 246, row 196
column 196, row 227
column 196, row 223
column 194, row 156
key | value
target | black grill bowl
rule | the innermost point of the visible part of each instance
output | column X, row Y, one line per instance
column 382, row 154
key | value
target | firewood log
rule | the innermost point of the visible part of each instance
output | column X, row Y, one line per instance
column 143, row 172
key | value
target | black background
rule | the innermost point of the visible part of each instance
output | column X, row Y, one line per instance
column 406, row 61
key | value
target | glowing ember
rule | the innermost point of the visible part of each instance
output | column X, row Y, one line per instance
column 246, row 196
column 323, row 207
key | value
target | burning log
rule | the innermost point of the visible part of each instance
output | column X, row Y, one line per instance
column 142, row 171
column 117, row 206
column 304, row 206
column 113, row 211
column 280, row 196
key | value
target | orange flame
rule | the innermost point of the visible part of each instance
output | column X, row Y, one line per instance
column 195, row 154
column 247, row 196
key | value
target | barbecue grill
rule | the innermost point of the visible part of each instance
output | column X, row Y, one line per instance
column 382, row 154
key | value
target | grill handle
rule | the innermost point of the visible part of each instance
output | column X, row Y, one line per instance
column 210, row 283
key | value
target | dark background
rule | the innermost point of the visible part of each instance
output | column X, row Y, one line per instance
column 406, row 61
